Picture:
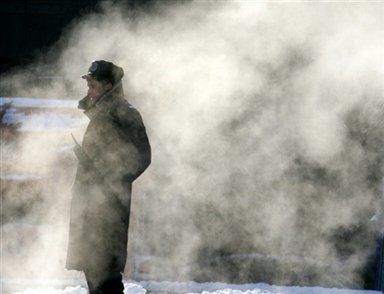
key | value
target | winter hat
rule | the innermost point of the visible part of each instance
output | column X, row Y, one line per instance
column 102, row 70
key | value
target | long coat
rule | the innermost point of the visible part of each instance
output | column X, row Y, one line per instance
column 115, row 151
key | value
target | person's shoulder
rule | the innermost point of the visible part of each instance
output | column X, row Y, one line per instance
column 126, row 111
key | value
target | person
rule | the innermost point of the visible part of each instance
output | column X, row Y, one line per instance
column 115, row 151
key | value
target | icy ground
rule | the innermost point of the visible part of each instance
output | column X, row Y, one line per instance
column 132, row 287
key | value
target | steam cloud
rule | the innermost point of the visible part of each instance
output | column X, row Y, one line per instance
column 266, row 123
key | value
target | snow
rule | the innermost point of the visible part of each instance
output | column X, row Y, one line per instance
column 46, row 117
column 260, row 288
column 68, row 290
column 43, row 121
column 132, row 287
column 38, row 103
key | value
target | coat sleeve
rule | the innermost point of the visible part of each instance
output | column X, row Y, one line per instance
column 135, row 136
column 121, row 147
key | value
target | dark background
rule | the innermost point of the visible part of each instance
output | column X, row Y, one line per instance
column 28, row 28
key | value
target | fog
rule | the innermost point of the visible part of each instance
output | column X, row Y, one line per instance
column 266, row 124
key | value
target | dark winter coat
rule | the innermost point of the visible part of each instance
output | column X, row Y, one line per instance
column 114, row 152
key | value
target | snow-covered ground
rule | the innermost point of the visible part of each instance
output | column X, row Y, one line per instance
column 133, row 287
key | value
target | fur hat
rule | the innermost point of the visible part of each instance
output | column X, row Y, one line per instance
column 102, row 70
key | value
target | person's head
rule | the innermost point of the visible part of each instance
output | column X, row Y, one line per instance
column 96, row 88
column 101, row 77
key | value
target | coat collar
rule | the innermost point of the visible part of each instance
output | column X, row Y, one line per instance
column 104, row 102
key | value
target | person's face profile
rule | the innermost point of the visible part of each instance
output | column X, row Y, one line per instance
column 96, row 88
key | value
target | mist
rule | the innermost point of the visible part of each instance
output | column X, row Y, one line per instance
column 266, row 125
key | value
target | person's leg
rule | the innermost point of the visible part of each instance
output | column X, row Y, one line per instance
column 113, row 284
column 91, row 287
column 92, row 283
